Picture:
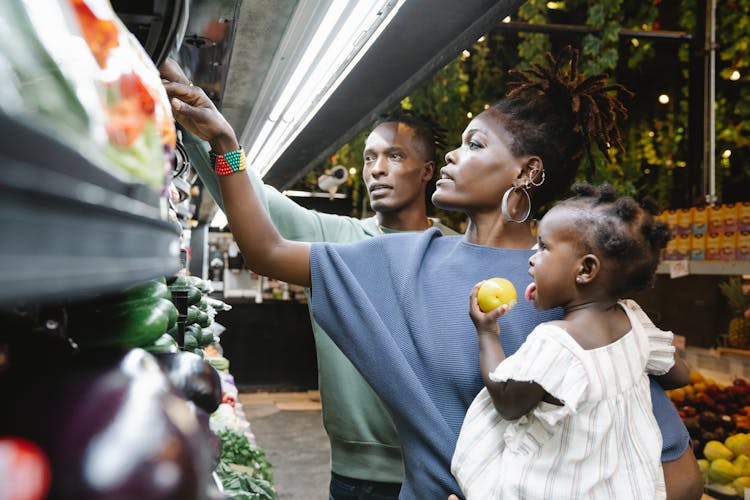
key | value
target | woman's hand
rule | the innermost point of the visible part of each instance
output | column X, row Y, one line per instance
column 195, row 111
column 172, row 72
column 485, row 323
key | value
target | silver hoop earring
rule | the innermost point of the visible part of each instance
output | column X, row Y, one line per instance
column 504, row 204
column 541, row 181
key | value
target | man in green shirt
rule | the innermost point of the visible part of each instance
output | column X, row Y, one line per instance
column 399, row 162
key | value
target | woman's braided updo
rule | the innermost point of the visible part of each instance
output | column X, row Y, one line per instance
column 555, row 113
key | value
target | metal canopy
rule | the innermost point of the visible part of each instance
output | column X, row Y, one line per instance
column 423, row 37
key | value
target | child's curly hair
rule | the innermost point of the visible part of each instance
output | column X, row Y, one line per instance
column 623, row 230
column 554, row 112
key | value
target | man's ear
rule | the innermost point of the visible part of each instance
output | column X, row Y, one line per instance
column 429, row 171
column 588, row 269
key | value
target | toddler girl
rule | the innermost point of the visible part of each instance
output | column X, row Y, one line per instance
column 569, row 414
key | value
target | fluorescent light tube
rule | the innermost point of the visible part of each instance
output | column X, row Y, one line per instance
column 342, row 36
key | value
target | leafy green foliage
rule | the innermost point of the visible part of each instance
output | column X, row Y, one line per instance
column 241, row 486
column 244, row 470
column 236, row 449
column 657, row 160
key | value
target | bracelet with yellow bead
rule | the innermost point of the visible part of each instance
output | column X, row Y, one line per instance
column 228, row 163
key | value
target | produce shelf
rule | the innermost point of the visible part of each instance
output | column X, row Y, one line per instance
column 69, row 227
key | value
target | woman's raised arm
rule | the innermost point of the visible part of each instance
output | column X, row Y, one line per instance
column 263, row 249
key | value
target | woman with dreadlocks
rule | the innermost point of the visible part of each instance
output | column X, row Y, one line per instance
column 395, row 305
column 569, row 414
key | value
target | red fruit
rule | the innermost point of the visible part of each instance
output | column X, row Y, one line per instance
column 704, row 401
column 689, row 411
column 712, row 390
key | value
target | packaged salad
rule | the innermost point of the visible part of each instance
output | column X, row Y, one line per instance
column 74, row 68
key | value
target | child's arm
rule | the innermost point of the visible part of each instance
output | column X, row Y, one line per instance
column 677, row 376
column 512, row 399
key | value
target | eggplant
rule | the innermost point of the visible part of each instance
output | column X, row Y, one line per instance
column 194, row 378
column 113, row 427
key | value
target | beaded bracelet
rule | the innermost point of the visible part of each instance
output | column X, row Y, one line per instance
column 228, row 163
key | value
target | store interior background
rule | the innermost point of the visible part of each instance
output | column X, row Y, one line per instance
column 79, row 229
column 271, row 318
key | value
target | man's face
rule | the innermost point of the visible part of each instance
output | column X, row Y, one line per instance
column 396, row 170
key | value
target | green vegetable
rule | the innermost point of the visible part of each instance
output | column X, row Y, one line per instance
column 203, row 304
column 119, row 324
column 190, row 343
column 242, row 486
column 173, row 331
column 192, row 315
column 194, row 295
column 195, row 315
column 207, row 337
column 218, row 304
column 194, row 330
column 165, row 343
column 197, row 282
column 185, row 281
column 220, row 363
column 172, row 313
column 168, row 308
column 236, row 449
column 139, row 326
column 204, row 320
column 148, row 290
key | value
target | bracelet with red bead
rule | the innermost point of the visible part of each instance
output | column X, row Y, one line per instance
column 228, row 163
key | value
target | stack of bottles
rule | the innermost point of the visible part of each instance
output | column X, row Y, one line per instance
column 712, row 233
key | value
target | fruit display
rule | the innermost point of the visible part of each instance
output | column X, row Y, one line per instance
column 718, row 420
column 726, row 465
column 496, row 292
column 710, row 411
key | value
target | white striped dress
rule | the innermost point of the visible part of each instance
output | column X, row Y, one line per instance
column 602, row 443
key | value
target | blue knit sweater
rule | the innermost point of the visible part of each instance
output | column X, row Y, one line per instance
column 397, row 306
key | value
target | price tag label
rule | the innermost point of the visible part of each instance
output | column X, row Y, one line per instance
column 679, row 268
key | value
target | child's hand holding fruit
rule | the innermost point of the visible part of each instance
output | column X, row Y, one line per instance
column 490, row 299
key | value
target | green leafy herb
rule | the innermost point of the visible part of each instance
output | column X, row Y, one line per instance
column 236, row 449
column 241, row 486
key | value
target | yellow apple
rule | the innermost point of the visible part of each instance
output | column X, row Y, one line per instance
column 496, row 292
